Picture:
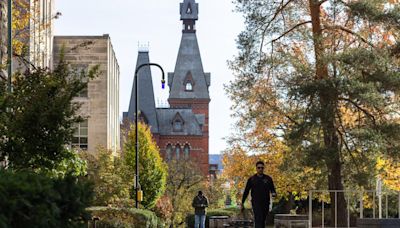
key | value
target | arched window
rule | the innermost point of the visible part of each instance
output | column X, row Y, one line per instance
column 186, row 151
column 189, row 86
column 168, row 152
column 177, row 151
column 188, row 81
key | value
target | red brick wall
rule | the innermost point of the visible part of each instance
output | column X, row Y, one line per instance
column 199, row 147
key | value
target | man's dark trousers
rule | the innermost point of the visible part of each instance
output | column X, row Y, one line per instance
column 260, row 210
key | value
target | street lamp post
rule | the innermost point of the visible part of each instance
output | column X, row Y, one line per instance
column 9, row 49
column 136, row 124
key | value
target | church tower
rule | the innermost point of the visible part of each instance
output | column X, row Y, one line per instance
column 189, row 83
column 181, row 130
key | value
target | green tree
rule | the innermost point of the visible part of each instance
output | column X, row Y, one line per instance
column 152, row 169
column 322, row 76
column 37, row 117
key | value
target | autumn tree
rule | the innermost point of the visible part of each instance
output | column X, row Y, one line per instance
column 111, row 177
column 184, row 180
column 289, row 179
column 321, row 76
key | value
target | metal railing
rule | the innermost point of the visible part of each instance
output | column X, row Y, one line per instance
column 356, row 204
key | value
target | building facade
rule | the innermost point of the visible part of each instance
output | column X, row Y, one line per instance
column 3, row 38
column 181, row 131
column 35, row 35
column 100, row 102
column 41, row 30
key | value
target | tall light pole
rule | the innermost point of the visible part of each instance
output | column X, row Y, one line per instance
column 9, row 49
column 136, row 124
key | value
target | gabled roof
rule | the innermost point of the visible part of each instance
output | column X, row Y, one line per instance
column 165, row 117
column 146, row 93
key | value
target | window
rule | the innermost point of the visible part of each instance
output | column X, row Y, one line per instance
column 81, row 71
column 189, row 86
column 80, row 136
column 177, row 151
column 168, row 152
column 186, row 151
column 178, row 125
column 188, row 81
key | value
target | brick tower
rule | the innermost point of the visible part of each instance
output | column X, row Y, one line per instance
column 181, row 131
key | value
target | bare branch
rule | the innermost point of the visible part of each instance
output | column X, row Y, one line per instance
column 366, row 112
column 289, row 31
column 278, row 11
column 344, row 29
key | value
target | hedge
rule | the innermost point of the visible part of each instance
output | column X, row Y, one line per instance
column 28, row 199
column 111, row 217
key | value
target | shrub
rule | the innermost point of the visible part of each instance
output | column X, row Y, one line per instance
column 32, row 200
column 111, row 217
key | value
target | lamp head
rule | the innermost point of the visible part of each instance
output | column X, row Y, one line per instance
column 163, row 84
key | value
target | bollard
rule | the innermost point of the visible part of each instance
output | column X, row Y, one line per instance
column 95, row 219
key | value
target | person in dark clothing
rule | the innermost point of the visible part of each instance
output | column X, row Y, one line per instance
column 261, row 187
column 200, row 202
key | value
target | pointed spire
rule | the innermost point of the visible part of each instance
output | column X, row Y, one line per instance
column 147, row 106
column 189, row 10
column 189, row 67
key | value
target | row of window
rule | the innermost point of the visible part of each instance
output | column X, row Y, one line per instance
column 177, row 152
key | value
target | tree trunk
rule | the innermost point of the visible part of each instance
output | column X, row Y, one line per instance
column 328, row 102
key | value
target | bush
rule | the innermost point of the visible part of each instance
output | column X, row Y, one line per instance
column 111, row 217
column 32, row 200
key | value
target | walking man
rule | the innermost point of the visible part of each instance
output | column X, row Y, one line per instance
column 200, row 202
column 261, row 187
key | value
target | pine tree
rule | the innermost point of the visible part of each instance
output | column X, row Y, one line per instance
column 323, row 76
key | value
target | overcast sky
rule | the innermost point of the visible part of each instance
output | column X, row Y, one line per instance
column 129, row 22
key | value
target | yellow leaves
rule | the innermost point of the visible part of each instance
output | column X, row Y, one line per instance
column 239, row 166
column 390, row 171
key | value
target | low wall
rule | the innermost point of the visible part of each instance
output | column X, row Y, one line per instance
column 378, row 223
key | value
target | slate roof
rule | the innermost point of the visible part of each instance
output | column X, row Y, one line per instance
column 194, row 10
column 216, row 159
column 191, row 125
column 146, row 94
column 189, row 61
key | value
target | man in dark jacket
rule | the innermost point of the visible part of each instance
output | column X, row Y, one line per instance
column 200, row 202
column 261, row 186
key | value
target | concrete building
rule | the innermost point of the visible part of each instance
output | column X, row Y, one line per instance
column 181, row 131
column 100, row 102
column 41, row 32
column 36, row 36
column 3, row 38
